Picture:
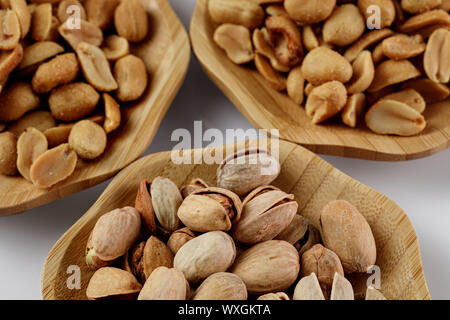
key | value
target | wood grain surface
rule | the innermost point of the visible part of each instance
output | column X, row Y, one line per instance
column 268, row 109
column 314, row 183
column 166, row 53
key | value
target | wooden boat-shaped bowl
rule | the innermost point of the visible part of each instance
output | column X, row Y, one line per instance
column 166, row 53
column 314, row 183
column 266, row 108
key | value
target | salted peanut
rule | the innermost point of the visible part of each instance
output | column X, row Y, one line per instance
column 73, row 101
column 9, row 30
column 365, row 42
column 17, row 100
column 295, row 84
column 115, row 47
column 58, row 135
column 285, row 38
column 69, row 8
column 354, row 109
column 9, row 60
column 378, row 54
column 95, row 67
column 431, row 91
column 325, row 101
column 60, row 70
column 39, row 52
column 436, row 59
column 8, row 153
column 43, row 24
column 53, row 166
column 275, row 79
column 402, row 46
column 23, row 14
column 394, row 117
column 363, row 73
column 262, row 46
column 41, row 120
column 392, row 72
column 112, row 113
column 387, row 13
column 276, row 10
column 87, row 32
column 323, row 65
column 131, row 75
column 344, row 26
column 425, row 19
column 101, row 12
column 309, row 11
column 131, row 20
column 87, row 139
column 410, row 97
column 308, row 288
column 235, row 40
column 374, row 294
column 342, row 288
column 31, row 144
column 310, row 40
column 418, row 6
column 245, row 13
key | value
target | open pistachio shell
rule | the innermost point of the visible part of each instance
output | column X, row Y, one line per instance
column 111, row 282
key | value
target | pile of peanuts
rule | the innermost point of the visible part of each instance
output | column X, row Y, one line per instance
column 65, row 68
column 381, row 60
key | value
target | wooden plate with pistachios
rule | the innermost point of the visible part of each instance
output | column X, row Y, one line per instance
column 254, row 91
column 306, row 185
column 165, row 52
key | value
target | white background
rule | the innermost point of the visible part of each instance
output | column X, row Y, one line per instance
column 421, row 188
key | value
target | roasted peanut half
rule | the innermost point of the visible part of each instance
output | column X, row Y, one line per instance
column 60, row 70
column 323, row 65
column 387, row 8
column 424, row 20
column 41, row 120
column 112, row 113
column 261, row 42
column 17, row 100
column 431, row 91
column 58, row 135
column 53, row 166
column 9, row 30
column 131, row 75
column 73, row 101
column 402, row 46
column 436, row 60
column 43, row 23
column 115, row 47
column 39, row 52
column 309, row 11
column 131, row 20
column 9, row 60
column 325, row 101
column 235, row 40
column 363, row 73
column 101, row 12
column 392, row 72
column 246, row 13
column 87, row 32
column 23, row 14
column 393, row 117
column 418, row 6
column 275, row 79
column 365, row 42
column 354, row 109
column 31, row 144
column 95, row 67
column 295, row 85
column 410, row 97
column 8, row 154
column 87, row 139
column 69, row 8
column 344, row 26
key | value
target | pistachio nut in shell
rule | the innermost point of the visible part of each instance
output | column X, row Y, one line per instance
column 144, row 206
column 133, row 261
column 165, row 284
column 205, row 255
column 113, row 235
column 156, row 254
column 265, row 216
column 194, row 185
column 247, row 170
column 166, row 200
column 111, row 283
column 221, row 286
column 324, row 263
column 346, row 232
column 210, row 209
column 268, row 266
column 178, row 238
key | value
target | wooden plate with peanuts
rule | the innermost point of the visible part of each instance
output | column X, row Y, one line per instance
column 161, row 225
column 337, row 78
column 84, row 87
